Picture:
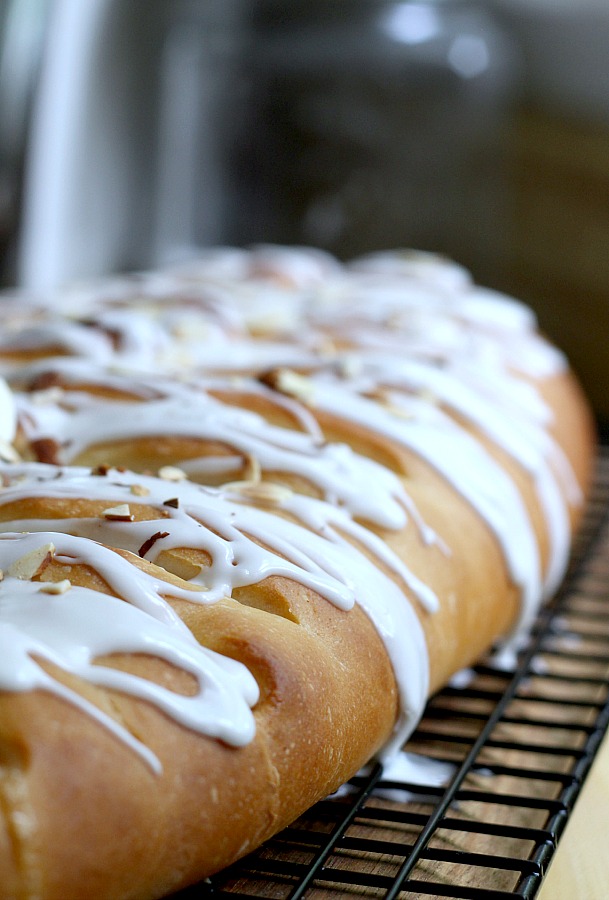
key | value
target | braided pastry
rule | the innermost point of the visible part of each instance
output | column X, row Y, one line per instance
column 254, row 511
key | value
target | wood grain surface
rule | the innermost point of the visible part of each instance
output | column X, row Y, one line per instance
column 580, row 868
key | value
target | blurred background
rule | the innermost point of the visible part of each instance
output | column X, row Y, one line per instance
column 133, row 132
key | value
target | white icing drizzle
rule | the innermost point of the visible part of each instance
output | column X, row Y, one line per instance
column 206, row 520
column 407, row 328
column 417, row 264
column 422, row 771
column 80, row 420
column 466, row 465
column 67, row 337
column 73, row 629
column 519, row 429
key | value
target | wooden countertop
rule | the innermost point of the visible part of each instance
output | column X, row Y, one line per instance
column 580, row 868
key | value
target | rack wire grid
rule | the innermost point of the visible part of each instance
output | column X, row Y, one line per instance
column 521, row 743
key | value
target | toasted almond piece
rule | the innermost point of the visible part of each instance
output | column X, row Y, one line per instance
column 349, row 366
column 26, row 567
column 100, row 470
column 253, row 470
column 56, row 587
column 398, row 411
column 139, row 490
column 299, row 386
column 263, row 492
column 172, row 473
column 48, row 395
column 8, row 452
column 428, row 396
column 120, row 513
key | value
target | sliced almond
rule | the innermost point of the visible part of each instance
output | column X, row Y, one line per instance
column 263, row 492
column 349, row 367
column 120, row 513
column 327, row 347
column 428, row 396
column 172, row 473
column 48, row 396
column 138, row 490
column 8, row 452
column 253, row 470
column 384, row 396
column 56, row 587
column 32, row 563
column 399, row 412
column 299, row 386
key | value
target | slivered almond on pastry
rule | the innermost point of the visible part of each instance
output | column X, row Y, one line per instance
column 265, row 492
column 120, row 513
column 138, row 490
column 299, row 386
column 31, row 564
column 8, row 452
column 172, row 473
column 56, row 587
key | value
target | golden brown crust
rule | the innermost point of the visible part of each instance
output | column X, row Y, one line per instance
column 328, row 692
column 313, row 688
column 321, row 671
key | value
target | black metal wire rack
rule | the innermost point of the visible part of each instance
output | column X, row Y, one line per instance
column 521, row 742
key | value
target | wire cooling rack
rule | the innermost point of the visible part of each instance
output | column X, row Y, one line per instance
column 521, row 743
